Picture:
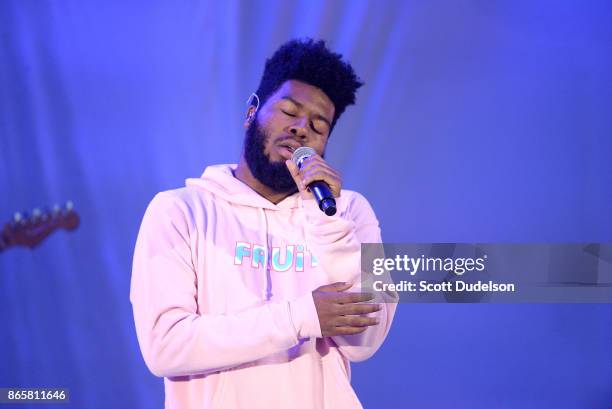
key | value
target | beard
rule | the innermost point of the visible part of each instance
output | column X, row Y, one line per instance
column 273, row 174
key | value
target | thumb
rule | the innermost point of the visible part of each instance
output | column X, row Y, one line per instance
column 293, row 169
column 295, row 173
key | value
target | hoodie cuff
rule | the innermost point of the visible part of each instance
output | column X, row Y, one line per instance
column 304, row 317
column 315, row 216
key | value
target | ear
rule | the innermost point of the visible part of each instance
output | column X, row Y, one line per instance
column 250, row 116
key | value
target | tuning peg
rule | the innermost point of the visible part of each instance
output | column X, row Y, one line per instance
column 56, row 208
column 17, row 217
column 25, row 217
column 69, row 205
column 36, row 213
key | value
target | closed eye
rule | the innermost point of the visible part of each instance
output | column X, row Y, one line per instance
column 315, row 129
column 287, row 113
column 311, row 124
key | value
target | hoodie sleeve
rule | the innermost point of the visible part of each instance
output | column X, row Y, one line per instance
column 174, row 336
column 336, row 242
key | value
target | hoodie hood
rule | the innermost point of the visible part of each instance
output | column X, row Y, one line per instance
column 219, row 180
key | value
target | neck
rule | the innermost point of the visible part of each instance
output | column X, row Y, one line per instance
column 243, row 174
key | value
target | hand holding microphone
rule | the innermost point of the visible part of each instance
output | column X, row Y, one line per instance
column 315, row 178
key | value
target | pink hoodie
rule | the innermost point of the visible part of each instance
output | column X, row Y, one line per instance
column 221, row 291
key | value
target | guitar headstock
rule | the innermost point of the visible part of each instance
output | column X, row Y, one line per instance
column 29, row 229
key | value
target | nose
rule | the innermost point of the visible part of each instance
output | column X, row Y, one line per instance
column 298, row 128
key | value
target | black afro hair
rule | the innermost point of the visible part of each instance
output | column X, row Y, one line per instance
column 311, row 62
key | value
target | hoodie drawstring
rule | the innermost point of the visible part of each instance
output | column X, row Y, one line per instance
column 267, row 288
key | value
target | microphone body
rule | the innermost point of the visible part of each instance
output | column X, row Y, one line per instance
column 319, row 188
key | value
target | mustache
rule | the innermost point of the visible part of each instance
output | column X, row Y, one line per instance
column 282, row 139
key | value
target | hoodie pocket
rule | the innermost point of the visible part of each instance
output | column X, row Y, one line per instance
column 340, row 393
column 216, row 402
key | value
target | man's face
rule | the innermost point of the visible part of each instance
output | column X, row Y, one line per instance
column 298, row 114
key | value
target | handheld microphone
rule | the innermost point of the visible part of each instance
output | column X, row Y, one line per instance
column 319, row 188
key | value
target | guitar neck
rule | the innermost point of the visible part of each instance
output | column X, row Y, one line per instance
column 31, row 231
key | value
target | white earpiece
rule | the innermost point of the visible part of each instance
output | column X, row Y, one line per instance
column 252, row 97
column 253, row 100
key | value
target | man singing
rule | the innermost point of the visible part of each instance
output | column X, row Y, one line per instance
column 245, row 294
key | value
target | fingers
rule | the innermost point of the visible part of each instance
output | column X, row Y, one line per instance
column 347, row 331
column 341, row 312
column 315, row 161
column 315, row 168
column 347, row 298
column 318, row 169
column 355, row 321
column 350, row 325
column 335, row 287
column 357, row 309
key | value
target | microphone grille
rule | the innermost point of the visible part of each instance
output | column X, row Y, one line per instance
column 302, row 153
